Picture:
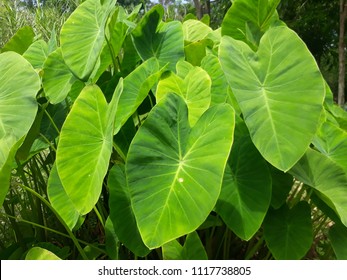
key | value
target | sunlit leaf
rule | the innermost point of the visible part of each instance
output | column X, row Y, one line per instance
column 271, row 87
column 175, row 172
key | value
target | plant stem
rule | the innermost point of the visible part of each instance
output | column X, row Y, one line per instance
column 78, row 246
column 56, row 232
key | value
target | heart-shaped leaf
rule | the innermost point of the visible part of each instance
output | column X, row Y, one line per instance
column 57, row 79
column 194, row 86
column 328, row 178
column 121, row 212
column 164, row 41
column 175, row 172
column 37, row 53
column 247, row 20
column 280, row 92
column 83, row 34
column 193, row 249
column 246, row 190
column 82, row 166
column 288, row 232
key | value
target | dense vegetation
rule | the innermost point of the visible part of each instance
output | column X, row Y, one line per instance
column 129, row 135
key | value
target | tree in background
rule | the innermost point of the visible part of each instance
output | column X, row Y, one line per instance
column 320, row 24
column 342, row 53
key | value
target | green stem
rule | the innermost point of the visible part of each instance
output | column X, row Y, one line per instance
column 73, row 238
column 255, row 248
column 56, row 232
column 99, row 216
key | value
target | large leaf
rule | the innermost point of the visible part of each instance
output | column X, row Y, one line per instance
column 328, row 178
column 288, row 232
column 247, row 20
column 82, row 36
column 219, row 87
column 57, row 79
column 195, row 30
column 85, row 147
column 280, row 92
column 153, row 38
column 332, row 142
column 246, row 190
column 8, row 149
column 60, row 200
column 194, row 87
column 20, row 41
column 18, row 88
column 175, row 172
column 37, row 53
column 338, row 238
column 121, row 212
column 37, row 253
column 193, row 249
column 136, row 88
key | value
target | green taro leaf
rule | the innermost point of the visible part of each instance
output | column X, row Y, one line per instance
column 121, row 212
column 194, row 30
column 193, row 249
column 288, row 232
column 83, row 35
column 219, row 87
column 20, row 41
column 325, row 176
column 332, row 142
column 57, row 79
column 246, row 189
column 247, row 20
column 37, row 53
column 338, row 238
column 281, row 186
column 18, row 88
column 37, row 253
column 164, row 41
column 111, row 240
column 85, row 146
column 60, row 200
column 136, row 88
column 175, row 172
column 280, row 92
column 194, row 86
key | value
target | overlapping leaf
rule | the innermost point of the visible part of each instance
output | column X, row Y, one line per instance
column 247, row 20
column 83, row 35
column 280, row 92
column 57, row 79
column 174, row 171
column 191, row 83
column 193, row 249
column 246, row 190
column 18, row 89
column 121, row 213
column 328, row 178
column 85, row 146
column 288, row 232
column 164, row 41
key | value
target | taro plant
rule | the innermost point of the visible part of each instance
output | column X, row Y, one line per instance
column 142, row 138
